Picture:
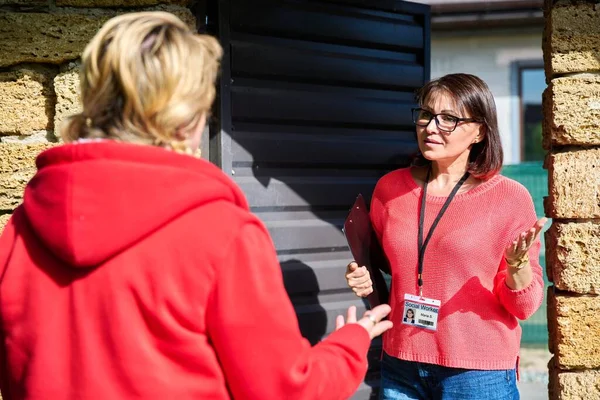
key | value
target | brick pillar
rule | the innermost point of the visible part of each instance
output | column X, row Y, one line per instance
column 40, row 45
column 572, row 136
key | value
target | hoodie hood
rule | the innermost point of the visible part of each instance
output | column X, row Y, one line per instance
column 90, row 201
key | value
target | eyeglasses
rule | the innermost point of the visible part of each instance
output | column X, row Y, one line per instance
column 445, row 122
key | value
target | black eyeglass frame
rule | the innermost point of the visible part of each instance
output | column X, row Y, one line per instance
column 437, row 123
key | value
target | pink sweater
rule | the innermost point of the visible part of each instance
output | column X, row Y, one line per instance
column 464, row 268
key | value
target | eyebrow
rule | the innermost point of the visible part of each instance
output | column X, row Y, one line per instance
column 441, row 112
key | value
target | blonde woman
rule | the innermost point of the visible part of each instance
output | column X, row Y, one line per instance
column 134, row 270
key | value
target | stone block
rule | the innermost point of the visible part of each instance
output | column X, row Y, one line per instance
column 24, row 3
column 574, row 327
column 572, row 111
column 571, row 37
column 58, row 37
column 573, row 256
column 3, row 220
column 17, row 157
column 45, row 38
column 17, row 166
column 26, row 100
column 35, row 137
column 574, row 385
column 11, row 191
column 574, row 184
column 118, row 3
column 67, row 88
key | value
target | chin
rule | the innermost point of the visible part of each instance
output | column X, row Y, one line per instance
column 431, row 155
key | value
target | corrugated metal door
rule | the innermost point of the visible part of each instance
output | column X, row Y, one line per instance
column 315, row 104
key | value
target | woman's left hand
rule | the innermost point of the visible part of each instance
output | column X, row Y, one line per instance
column 517, row 250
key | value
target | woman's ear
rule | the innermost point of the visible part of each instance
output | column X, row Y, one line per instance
column 480, row 135
column 195, row 135
column 192, row 132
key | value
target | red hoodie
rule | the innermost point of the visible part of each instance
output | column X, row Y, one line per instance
column 134, row 272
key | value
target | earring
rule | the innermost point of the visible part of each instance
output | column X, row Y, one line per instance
column 182, row 147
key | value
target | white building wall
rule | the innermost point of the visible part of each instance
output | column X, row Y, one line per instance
column 491, row 56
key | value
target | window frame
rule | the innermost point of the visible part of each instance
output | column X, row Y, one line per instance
column 517, row 68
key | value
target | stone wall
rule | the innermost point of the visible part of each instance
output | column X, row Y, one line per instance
column 40, row 45
column 572, row 137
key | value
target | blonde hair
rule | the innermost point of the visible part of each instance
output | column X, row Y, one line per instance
column 145, row 78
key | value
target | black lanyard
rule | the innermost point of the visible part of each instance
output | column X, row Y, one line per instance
column 423, row 246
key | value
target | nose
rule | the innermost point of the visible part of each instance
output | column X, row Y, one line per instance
column 432, row 126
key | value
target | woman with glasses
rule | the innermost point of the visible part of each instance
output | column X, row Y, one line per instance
column 462, row 242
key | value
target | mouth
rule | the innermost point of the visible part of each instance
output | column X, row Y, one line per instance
column 431, row 141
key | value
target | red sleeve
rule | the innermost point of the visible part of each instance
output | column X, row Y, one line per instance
column 377, row 210
column 255, row 333
column 7, row 240
column 524, row 302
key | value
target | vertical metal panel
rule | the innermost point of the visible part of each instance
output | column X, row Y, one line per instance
column 221, row 142
column 314, row 107
column 426, row 46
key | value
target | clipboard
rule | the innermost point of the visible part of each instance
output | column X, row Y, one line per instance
column 367, row 250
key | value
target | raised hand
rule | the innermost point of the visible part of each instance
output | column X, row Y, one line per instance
column 371, row 321
column 516, row 252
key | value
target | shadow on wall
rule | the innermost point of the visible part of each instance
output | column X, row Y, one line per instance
column 301, row 281
column 311, row 245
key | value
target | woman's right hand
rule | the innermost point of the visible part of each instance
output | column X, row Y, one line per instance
column 359, row 280
column 371, row 321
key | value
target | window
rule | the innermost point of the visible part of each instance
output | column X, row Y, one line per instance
column 532, row 83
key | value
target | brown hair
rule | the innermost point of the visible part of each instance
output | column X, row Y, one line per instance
column 145, row 77
column 473, row 96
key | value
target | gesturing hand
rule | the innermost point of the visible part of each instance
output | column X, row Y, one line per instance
column 359, row 280
column 371, row 321
column 516, row 252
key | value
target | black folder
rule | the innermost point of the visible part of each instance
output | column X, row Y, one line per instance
column 367, row 250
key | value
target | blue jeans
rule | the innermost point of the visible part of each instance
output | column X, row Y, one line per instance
column 407, row 380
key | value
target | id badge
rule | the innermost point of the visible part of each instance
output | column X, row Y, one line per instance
column 421, row 312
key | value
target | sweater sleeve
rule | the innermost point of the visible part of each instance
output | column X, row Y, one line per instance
column 255, row 333
column 7, row 240
column 524, row 302
column 377, row 210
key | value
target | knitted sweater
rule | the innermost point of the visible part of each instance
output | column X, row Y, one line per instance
column 464, row 268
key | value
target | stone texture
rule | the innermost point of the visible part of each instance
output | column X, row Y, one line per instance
column 35, row 137
column 16, row 157
column 572, row 111
column 579, row 385
column 571, row 37
column 573, row 256
column 3, row 220
column 118, row 3
column 45, row 38
column 574, row 184
column 26, row 100
column 68, row 101
column 182, row 13
column 59, row 37
column 574, row 329
column 17, row 166
column 11, row 189
column 24, row 3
